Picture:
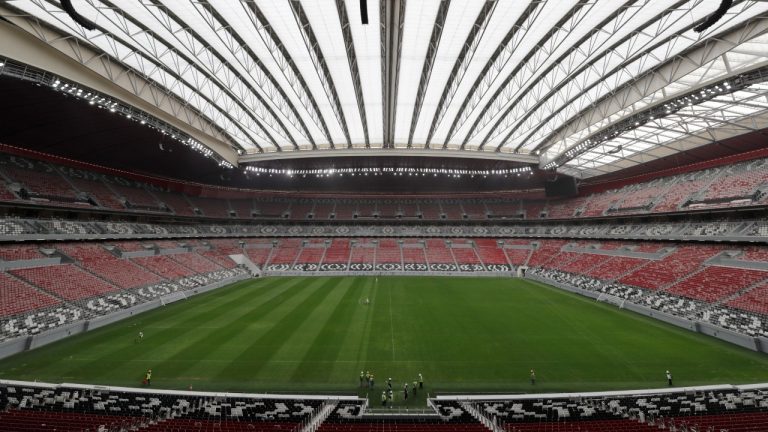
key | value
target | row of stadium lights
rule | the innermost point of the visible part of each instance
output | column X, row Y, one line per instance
column 401, row 171
column 688, row 100
column 115, row 107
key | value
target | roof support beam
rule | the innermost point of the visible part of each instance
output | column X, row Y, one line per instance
column 462, row 64
column 392, row 17
column 186, row 58
column 30, row 41
column 231, row 76
column 316, row 54
column 611, row 50
column 349, row 46
column 429, row 61
column 241, row 51
column 657, row 78
column 285, row 62
column 149, row 63
column 494, row 65
column 567, row 23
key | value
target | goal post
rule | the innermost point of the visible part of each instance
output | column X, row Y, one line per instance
column 612, row 299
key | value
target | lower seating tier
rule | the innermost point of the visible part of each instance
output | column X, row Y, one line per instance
column 687, row 279
column 67, row 289
column 33, row 407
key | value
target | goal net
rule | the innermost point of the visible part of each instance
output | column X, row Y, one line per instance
column 612, row 299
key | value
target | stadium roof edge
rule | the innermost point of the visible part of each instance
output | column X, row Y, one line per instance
column 510, row 73
column 108, row 77
column 368, row 152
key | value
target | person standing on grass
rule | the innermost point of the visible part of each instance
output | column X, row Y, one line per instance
column 669, row 379
column 148, row 378
column 383, row 398
column 140, row 337
column 371, row 381
column 533, row 377
column 389, row 383
column 405, row 392
column 390, row 397
column 362, row 375
column 414, row 389
column 421, row 381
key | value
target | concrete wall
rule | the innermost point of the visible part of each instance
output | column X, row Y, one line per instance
column 729, row 336
column 24, row 343
column 122, row 314
column 38, row 262
column 762, row 343
column 662, row 316
column 742, row 340
column 138, row 254
column 14, row 346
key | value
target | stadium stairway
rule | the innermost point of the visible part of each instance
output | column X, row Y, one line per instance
column 313, row 424
column 473, row 411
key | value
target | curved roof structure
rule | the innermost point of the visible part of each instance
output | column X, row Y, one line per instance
column 589, row 86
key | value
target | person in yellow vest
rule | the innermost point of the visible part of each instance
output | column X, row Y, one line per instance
column 148, row 377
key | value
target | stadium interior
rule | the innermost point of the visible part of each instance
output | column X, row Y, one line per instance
column 161, row 152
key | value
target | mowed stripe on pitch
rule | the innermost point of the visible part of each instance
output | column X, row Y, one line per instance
column 328, row 334
column 230, row 327
column 300, row 337
column 281, row 323
column 464, row 334
column 119, row 349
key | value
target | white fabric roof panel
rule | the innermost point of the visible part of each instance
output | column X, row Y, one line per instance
column 501, row 76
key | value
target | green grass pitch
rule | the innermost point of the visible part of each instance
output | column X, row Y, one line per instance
column 314, row 334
